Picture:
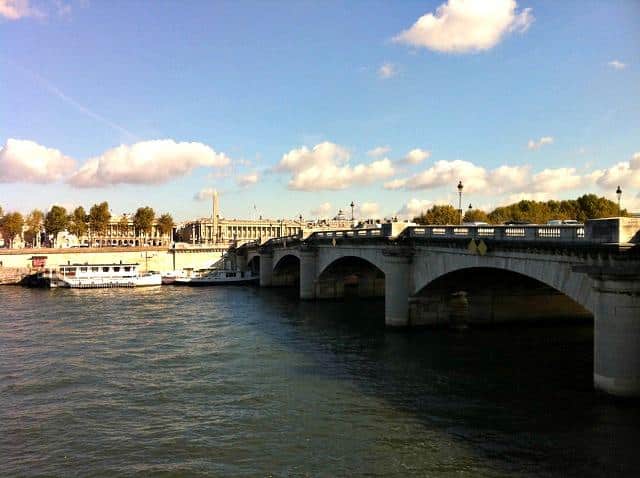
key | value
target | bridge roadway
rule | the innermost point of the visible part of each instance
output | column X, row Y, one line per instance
column 437, row 275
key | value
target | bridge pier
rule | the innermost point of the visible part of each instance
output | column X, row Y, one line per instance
column 617, row 336
column 266, row 269
column 396, row 290
column 308, row 269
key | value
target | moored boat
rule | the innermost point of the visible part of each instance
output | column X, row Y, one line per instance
column 99, row 276
column 219, row 277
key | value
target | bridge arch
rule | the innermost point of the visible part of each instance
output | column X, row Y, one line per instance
column 557, row 274
column 350, row 276
column 286, row 271
column 489, row 293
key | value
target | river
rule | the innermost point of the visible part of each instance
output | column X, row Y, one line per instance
column 235, row 381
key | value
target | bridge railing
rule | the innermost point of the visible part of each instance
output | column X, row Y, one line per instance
column 568, row 233
column 282, row 241
column 348, row 234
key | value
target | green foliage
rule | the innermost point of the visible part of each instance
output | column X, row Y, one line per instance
column 445, row 214
column 78, row 222
column 588, row 206
column 34, row 223
column 591, row 206
column 11, row 225
column 475, row 215
column 99, row 217
column 165, row 224
column 56, row 220
column 143, row 220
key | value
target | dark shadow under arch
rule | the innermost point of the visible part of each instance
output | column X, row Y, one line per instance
column 350, row 276
column 484, row 295
column 286, row 272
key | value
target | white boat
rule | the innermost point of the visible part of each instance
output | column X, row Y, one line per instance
column 171, row 276
column 98, row 276
column 219, row 277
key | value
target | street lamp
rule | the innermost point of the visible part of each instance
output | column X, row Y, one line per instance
column 619, row 194
column 352, row 205
column 460, row 188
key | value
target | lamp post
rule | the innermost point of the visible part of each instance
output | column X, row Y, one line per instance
column 619, row 194
column 352, row 205
column 460, row 188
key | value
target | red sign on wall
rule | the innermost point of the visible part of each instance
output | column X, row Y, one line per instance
column 38, row 261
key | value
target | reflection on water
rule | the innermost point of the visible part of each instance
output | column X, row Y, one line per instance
column 251, row 382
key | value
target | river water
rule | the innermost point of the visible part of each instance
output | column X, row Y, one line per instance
column 251, row 382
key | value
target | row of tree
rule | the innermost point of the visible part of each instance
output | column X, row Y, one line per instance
column 588, row 206
column 79, row 223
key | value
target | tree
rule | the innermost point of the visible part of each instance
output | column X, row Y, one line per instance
column 588, row 206
column 78, row 222
column 475, row 215
column 591, row 206
column 99, row 217
column 143, row 220
column 56, row 221
column 11, row 226
column 123, row 224
column 165, row 224
column 1, row 211
column 34, row 223
column 445, row 214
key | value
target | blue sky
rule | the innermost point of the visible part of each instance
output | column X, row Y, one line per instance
column 553, row 96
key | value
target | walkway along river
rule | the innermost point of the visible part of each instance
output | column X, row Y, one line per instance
column 250, row 382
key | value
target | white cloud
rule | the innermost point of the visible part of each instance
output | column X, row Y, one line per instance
column 325, row 166
column 496, row 181
column 17, row 9
column 378, row 151
column 322, row 211
column 625, row 174
column 146, row 162
column 414, row 207
column 204, row 194
column 505, row 178
column 416, row 156
column 555, row 180
column 387, row 70
column 368, row 210
column 444, row 173
column 27, row 161
column 535, row 145
column 248, row 180
column 617, row 65
column 460, row 26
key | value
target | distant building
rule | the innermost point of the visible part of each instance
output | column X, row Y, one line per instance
column 120, row 235
column 219, row 230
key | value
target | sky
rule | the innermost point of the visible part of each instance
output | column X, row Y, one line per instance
column 299, row 108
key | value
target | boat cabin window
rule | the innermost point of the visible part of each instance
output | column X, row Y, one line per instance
column 95, row 269
column 116, row 269
column 127, row 268
column 105, row 269
column 83, row 269
column 231, row 274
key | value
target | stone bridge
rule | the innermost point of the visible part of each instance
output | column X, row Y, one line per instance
column 458, row 275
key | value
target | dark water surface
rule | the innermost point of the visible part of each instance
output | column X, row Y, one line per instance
column 249, row 382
